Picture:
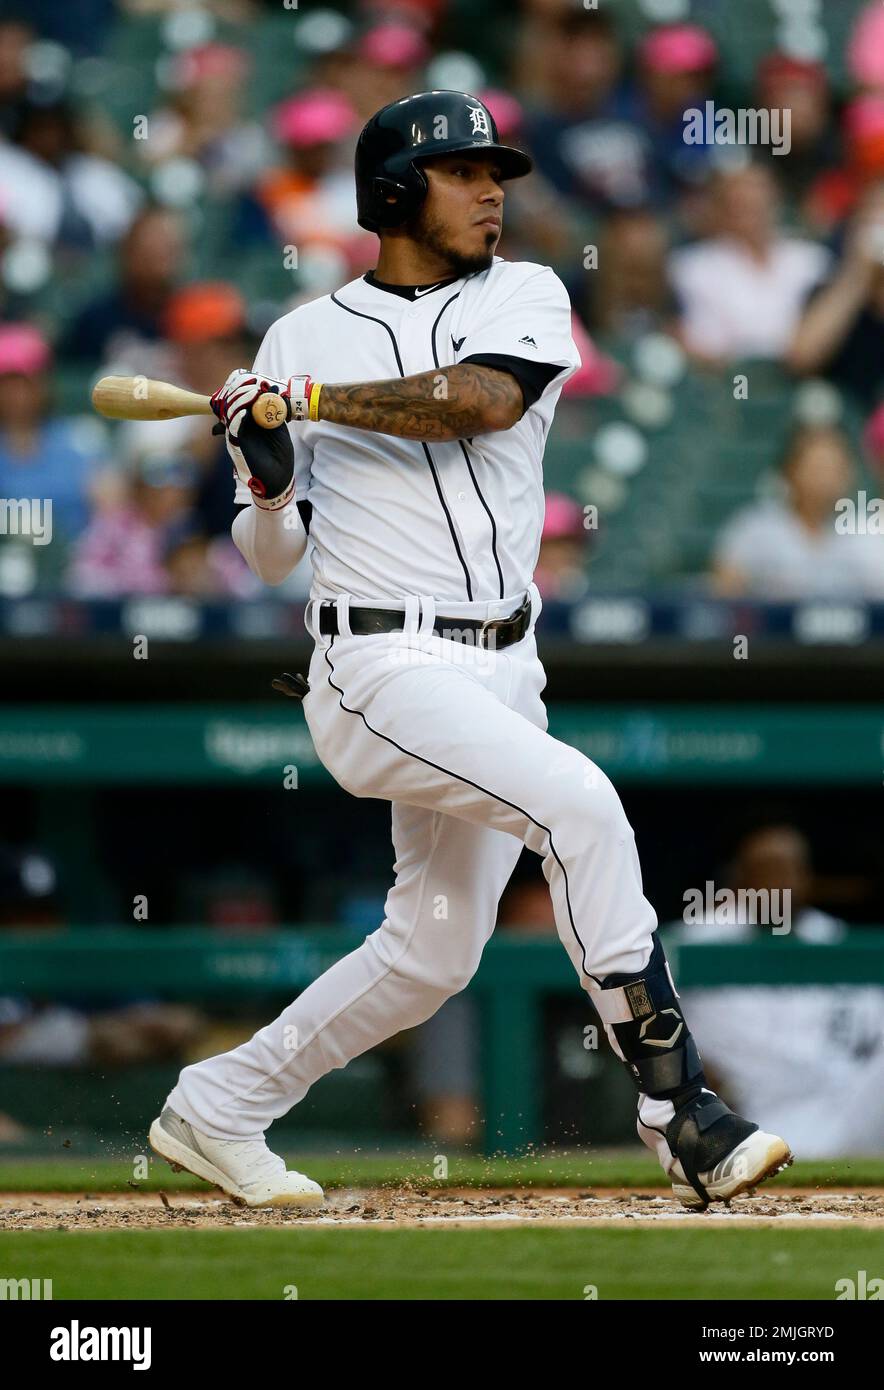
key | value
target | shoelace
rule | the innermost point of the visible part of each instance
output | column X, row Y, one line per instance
column 255, row 1158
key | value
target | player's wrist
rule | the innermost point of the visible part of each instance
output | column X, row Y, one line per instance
column 270, row 504
column 303, row 397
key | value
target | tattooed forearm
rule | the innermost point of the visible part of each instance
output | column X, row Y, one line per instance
column 448, row 403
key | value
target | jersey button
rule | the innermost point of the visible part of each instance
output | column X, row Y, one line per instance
column 461, row 497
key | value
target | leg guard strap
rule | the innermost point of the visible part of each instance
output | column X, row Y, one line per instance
column 702, row 1133
column 644, row 1015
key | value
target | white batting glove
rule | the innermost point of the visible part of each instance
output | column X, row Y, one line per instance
column 238, row 394
column 242, row 389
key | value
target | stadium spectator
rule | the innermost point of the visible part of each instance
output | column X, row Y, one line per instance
column 42, row 457
column 581, row 131
column 628, row 295
column 865, row 49
column 223, row 11
column 789, row 548
column 676, row 68
column 180, row 501
column 597, row 375
column 57, row 192
column 389, row 58
column 122, row 550
column 200, row 566
column 773, row 857
column 310, row 199
column 809, row 1058
column 841, row 332
column 561, row 564
column 15, row 38
column 839, row 191
column 124, row 327
column 740, row 291
column 873, row 439
column 801, row 88
column 205, row 326
column 203, row 120
column 329, row 49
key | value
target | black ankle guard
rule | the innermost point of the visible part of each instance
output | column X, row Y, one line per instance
column 702, row 1133
column 644, row 1013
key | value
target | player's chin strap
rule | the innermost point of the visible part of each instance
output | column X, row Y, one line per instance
column 643, row 1014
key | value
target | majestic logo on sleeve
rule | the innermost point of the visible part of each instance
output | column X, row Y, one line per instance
column 529, row 342
column 457, row 343
column 479, row 119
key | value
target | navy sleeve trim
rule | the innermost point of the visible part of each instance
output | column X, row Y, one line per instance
column 533, row 377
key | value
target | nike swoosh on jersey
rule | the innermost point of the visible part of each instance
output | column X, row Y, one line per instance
column 418, row 294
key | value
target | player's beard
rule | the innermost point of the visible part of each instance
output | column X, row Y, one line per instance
column 434, row 236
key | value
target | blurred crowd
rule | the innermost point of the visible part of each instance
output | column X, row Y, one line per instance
column 162, row 241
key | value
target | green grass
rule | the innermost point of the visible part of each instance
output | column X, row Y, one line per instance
column 433, row 1264
column 72, row 1173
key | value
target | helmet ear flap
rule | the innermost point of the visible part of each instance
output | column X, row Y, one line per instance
column 409, row 194
column 388, row 214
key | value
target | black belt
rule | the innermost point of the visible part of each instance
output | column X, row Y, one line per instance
column 494, row 632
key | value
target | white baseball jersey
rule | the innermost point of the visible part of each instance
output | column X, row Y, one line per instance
column 392, row 517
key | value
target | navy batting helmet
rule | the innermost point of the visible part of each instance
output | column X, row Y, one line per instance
column 399, row 136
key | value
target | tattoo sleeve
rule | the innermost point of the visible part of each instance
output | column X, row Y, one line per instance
column 447, row 403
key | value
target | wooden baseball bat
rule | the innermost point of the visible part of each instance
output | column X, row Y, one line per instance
column 137, row 398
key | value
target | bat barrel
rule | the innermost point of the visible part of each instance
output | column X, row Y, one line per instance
column 139, row 398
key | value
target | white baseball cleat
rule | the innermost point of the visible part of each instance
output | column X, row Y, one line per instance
column 243, row 1168
column 758, row 1157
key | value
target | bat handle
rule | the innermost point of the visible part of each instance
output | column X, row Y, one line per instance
column 269, row 411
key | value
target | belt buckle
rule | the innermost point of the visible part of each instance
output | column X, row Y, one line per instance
column 519, row 619
column 490, row 625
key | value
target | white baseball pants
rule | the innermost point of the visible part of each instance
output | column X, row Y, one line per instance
column 455, row 737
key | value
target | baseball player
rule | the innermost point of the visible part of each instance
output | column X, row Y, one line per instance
column 412, row 467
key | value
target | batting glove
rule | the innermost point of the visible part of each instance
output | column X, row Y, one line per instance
column 264, row 461
column 233, row 401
